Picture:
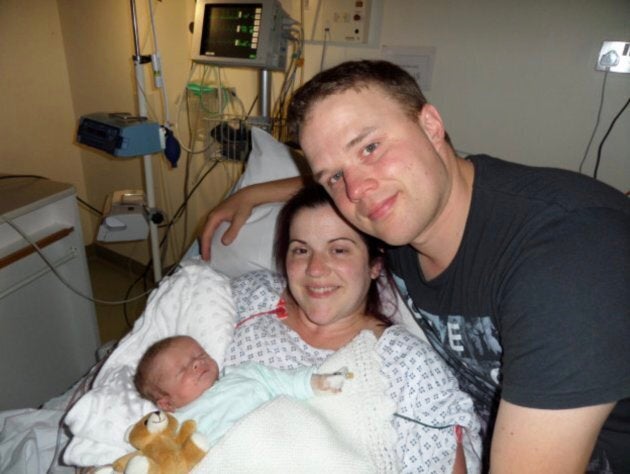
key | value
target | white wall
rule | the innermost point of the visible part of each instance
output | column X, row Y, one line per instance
column 512, row 78
column 36, row 115
column 98, row 38
column 516, row 79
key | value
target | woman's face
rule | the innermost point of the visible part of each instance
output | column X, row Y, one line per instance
column 328, row 267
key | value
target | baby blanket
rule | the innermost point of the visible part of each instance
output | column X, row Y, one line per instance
column 195, row 301
column 346, row 432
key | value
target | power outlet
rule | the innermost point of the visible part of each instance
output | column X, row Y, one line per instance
column 339, row 22
column 345, row 21
column 614, row 56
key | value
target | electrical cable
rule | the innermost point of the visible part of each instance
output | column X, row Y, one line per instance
column 151, row 113
column 288, row 83
column 81, row 389
column 160, row 83
column 237, row 99
column 251, row 107
column 193, row 133
column 324, row 47
column 89, row 206
column 225, row 100
column 33, row 244
column 438, row 427
column 184, row 101
column 166, row 196
column 601, row 144
column 182, row 207
column 315, row 19
column 599, row 114
column 14, row 176
column 34, row 176
column 148, row 266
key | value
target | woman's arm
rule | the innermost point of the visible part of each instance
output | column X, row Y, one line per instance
column 459, row 466
column 429, row 406
column 237, row 208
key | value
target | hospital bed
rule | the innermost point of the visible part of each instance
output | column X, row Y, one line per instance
column 33, row 440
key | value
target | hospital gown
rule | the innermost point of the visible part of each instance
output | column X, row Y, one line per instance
column 428, row 400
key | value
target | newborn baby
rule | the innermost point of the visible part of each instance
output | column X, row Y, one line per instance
column 179, row 376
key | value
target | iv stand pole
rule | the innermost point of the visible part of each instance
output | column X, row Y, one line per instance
column 264, row 91
column 139, row 62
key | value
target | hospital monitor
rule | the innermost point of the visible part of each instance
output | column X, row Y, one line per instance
column 241, row 33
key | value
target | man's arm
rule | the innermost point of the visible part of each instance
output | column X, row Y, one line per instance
column 237, row 208
column 530, row 440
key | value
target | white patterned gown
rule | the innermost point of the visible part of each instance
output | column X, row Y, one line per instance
column 429, row 402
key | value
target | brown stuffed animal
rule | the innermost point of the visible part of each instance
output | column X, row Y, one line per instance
column 161, row 448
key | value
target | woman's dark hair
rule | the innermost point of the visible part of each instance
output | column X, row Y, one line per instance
column 313, row 196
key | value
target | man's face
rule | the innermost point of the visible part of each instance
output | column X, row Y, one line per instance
column 380, row 166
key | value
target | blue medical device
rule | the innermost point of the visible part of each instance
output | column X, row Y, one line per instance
column 120, row 134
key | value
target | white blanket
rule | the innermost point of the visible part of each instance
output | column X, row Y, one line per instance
column 195, row 301
column 347, row 432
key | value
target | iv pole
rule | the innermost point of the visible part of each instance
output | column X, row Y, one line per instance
column 139, row 62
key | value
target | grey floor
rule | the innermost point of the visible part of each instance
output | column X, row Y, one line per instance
column 110, row 282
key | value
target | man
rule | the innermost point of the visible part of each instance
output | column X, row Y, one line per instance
column 519, row 276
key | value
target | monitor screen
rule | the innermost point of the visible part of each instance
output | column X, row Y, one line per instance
column 231, row 30
column 239, row 34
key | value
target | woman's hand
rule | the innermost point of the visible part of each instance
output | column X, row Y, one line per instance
column 237, row 208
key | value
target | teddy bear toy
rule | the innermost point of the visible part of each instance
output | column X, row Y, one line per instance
column 161, row 448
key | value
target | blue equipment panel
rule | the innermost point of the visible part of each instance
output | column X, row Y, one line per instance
column 120, row 134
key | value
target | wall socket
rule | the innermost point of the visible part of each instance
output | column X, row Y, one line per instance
column 614, row 56
column 339, row 22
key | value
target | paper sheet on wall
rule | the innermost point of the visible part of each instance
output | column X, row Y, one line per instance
column 417, row 61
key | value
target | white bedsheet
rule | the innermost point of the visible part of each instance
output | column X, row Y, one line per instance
column 28, row 438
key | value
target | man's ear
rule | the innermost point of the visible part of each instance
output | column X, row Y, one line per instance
column 376, row 267
column 431, row 123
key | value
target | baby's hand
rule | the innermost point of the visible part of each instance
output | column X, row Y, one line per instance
column 331, row 382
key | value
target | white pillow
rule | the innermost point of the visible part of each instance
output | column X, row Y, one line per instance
column 195, row 301
column 269, row 160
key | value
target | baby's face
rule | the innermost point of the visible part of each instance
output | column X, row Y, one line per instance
column 185, row 371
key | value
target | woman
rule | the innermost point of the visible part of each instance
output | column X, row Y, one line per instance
column 331, row 295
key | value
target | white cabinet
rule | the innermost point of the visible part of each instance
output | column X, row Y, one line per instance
column 48, row 333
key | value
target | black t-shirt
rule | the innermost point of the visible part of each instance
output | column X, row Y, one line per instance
column 535, row 306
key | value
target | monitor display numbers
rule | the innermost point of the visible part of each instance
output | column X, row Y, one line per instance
column 231, row 30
